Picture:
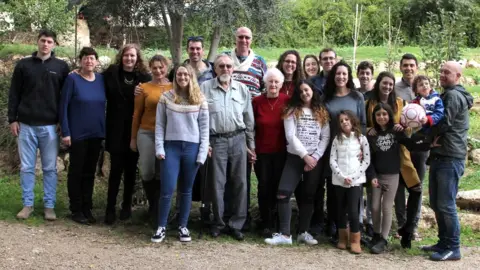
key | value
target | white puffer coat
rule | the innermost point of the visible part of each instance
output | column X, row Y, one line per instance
column 349, row 158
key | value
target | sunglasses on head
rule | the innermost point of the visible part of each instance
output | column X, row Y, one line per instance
column 195, row 38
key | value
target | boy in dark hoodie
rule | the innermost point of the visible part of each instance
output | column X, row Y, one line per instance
column 447, row 162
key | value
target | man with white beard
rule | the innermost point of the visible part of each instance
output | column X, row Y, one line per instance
column 231, row 127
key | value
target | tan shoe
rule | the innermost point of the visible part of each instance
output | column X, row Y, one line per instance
column 50, row 214
column 355, row 243
column 343, row 235
column 25, row 213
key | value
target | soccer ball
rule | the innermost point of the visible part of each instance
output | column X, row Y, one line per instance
column 411, row 115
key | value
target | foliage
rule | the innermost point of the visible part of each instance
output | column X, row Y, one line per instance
column 442, row 38
column 29, row 15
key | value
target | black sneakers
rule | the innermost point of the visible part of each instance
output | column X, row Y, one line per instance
column 159, row 235
column 184, row 234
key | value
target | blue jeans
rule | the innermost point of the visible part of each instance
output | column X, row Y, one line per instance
column 44, row 138
column 180, row 157
column 445, row 174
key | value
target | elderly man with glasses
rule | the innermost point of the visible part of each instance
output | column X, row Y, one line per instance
column 231, row 126
column 248, row 68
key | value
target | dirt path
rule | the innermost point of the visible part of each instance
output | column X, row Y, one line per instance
column 72, row 247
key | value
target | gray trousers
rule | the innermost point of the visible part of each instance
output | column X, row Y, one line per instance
column 148, row 163
column 229, row 157
column 382, row 203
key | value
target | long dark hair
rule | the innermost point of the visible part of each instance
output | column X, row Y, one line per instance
column 298, row 73
column 295, row 104
column 389, row 110
column 330, row 86
column 356, row 127
column 392, row 97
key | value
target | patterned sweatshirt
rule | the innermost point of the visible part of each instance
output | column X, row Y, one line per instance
column 181, row 122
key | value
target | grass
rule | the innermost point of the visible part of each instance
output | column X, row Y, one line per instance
column 474, row 130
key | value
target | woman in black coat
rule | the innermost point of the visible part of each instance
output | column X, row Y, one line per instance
column 120, row 80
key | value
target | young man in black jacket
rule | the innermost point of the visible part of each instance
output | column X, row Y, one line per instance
column 33, row 117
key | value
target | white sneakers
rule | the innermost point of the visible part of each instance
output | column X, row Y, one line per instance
column 279, row 239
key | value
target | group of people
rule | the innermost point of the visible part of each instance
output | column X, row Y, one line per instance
column 305, row 129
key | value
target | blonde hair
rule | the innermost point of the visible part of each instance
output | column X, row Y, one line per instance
column 195, row 96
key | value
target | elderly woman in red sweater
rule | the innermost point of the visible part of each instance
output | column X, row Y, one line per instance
column 270, row 145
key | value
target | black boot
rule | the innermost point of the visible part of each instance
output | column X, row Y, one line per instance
column 407, row 237
column 380, row 246
column 376, row 237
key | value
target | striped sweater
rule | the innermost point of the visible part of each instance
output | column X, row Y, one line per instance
column 250, row 72
column 181, row 122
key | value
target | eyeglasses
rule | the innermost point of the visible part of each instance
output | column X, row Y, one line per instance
column 222, row 66
column 244, row 37
column 290, row 62
column 328, row 58
column 195, row 38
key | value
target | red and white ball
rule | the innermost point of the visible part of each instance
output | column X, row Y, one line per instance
column 411, row 115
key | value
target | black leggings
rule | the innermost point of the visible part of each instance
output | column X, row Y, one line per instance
column 348, row 206
column 291, row 178
column 126, row 164
column 268, row 169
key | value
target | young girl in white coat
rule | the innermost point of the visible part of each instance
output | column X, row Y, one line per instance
column 349, row 160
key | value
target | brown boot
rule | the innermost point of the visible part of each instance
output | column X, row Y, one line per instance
column 355, row 243
column 342, row 238
column 25, row 213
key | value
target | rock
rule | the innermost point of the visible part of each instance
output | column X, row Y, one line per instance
column 462, row 62
column 61, row 166
column 475, row 156
column 17, row 57
column 465, row 80
column 428, row 218
column 469, row 200
column 475, row 110
column 473, row 64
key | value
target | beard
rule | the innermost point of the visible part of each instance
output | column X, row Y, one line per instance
column 224, row 78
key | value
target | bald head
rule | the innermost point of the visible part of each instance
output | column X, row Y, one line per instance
column 450, row 74
column 243, row 31
column 243, row 40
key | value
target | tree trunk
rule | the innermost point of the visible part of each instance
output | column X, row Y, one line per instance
column 177, row 21
column 216, row 35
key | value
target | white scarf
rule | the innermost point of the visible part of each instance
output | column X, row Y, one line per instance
column 245, row 65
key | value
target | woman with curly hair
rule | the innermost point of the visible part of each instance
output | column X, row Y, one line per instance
column 120, row 80
column 307, row 132
column 311, row 66
column 290, row 64
column 181, row 145
column 143, row 128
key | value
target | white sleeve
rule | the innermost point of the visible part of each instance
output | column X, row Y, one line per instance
column 295, row 146
column 334, row 160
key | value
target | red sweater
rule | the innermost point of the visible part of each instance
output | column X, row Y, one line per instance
column 288, row 88
column 269, row 130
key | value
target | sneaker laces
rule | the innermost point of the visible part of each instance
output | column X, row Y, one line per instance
column 308, row 236
column 160, row 230
column 184, row 231
column 276, row 235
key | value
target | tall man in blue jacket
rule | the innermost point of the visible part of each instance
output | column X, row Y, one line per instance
column 447, row 163
column 33, row 117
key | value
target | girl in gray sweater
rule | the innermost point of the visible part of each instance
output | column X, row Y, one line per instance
column 181, row 143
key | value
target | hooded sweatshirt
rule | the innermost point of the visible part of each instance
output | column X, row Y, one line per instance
column 453, row 128
column 433, row 106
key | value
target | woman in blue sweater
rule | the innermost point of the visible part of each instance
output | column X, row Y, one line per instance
column 181, row 143
column 82, row 119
